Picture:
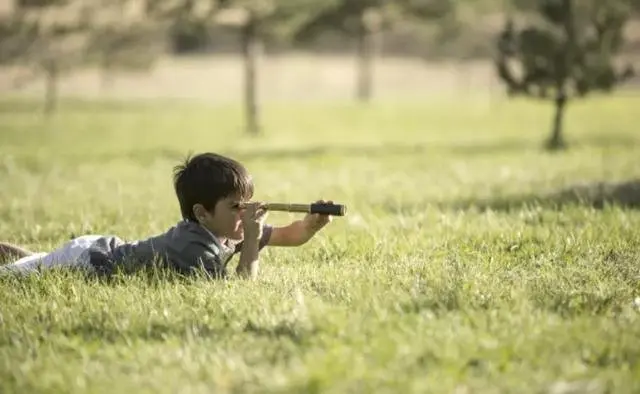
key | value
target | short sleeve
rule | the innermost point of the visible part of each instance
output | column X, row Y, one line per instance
column 267, row 229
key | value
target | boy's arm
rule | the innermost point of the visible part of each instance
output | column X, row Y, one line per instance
column 249, row 259
column 300, row 231
column 295, row 234
column 254, row 232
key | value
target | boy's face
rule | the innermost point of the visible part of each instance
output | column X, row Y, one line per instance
column 225, row 220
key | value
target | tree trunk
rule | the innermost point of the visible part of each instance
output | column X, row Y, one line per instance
column 106, row 75
column 557, row 141
column 51, row 88
column 566, row 61
column 251, row 48
column 368, row 43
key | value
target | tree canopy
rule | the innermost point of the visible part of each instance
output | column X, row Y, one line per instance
column 563, row 49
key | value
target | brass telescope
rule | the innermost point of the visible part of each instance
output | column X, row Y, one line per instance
column 313, row 208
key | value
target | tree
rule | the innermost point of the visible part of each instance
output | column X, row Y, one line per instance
column 187, row 21
column 43, row 37
column 255, row 20
column 565, row 50
column 122, row 37
column 53, row 37
column 364, row 21
column 259, row 20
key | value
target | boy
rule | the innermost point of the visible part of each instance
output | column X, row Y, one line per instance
column 209, row 188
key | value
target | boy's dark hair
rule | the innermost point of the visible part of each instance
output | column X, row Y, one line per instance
column 209, row 177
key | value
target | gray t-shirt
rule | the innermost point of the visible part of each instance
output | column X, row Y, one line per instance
column 186, row 247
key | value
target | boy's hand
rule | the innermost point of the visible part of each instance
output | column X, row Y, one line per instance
column 315, row 222
column 253, row 217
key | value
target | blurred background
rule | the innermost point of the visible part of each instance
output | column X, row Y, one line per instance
column 254, row 51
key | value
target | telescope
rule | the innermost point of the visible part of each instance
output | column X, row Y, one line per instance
column 313, row 208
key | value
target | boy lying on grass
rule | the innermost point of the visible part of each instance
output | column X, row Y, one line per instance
column 209, row 188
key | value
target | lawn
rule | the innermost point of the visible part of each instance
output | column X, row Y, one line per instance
column 465, row 264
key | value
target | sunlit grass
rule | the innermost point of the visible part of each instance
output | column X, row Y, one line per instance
column 454, row 268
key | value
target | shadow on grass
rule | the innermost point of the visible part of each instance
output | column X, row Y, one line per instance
column 596, row 195
column 34, row 107
column 162, row 332
column 153, row 332
column 143, row 156
column 42, row 164
column 389, row 149
column 284, row 329
column 460, row 148
column 576, row 303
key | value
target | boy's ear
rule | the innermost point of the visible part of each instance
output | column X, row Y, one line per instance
column 199, row 212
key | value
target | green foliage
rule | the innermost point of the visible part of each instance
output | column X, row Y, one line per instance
column 187, row 21
column 55, row 38
column 37, row 38
column 189, row 34
column 190, row 21
column 289, row 16
column 16, row 37
column 134, row 48
column 425, row 9
column 349, row 17
column 344, row 16
column 40, row 3
column 117, row 40
column 567, row 47
column 278, row 19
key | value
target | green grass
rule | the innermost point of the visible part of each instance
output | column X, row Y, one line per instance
column 458, row 269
